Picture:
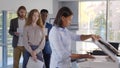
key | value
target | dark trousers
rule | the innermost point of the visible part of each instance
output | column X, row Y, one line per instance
column 47, row 59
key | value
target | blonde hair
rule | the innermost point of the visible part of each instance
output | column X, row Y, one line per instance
column 29, row 18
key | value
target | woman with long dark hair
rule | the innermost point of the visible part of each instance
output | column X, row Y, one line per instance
column 60, row 40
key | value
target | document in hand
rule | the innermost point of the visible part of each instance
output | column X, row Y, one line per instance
column 108, row 49
column 33, row 64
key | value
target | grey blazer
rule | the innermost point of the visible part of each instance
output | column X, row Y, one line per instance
column 13, row 28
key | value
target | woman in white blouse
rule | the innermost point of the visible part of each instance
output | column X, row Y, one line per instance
column 60, row 40
column 33, row 37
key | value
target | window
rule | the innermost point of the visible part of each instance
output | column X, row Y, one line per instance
column 10, row 15
column 6, row 48
column 91, row 21
column 99, row 17
column 114, row 21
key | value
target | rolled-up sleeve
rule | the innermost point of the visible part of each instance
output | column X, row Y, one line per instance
column 74, row 36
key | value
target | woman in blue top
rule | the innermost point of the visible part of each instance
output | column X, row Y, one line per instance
column 60, row 40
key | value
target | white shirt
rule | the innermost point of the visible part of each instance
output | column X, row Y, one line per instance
column 21, row 23
column 60, row 42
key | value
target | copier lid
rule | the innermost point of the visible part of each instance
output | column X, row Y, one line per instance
column 108, row 49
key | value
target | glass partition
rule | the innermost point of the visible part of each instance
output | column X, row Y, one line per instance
column 1, row 51
column 8, row 58
column 114, row 21
column 10, row 15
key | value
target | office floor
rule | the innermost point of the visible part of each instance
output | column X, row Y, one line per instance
column 10, row 66
column 73, row 65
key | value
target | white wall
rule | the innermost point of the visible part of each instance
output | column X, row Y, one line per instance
column 12, row 5
column 52, row 6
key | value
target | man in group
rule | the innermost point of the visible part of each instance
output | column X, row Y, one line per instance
column 16, row 30
column 47, row 49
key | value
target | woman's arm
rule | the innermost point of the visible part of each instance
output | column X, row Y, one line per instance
column 25, row 40
column 42, row 44
column 85, row 37
column 79, row 56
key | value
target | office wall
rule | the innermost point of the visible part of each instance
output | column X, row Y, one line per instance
column 73, row 5
column 12, row 5
column 55, row 9
column 51, row 5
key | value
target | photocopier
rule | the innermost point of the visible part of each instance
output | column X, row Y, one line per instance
column 111, row 60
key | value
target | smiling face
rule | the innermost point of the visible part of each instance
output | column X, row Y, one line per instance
column 66, row 21
column 35, row 17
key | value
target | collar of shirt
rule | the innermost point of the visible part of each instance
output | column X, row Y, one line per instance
column 62, row 29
